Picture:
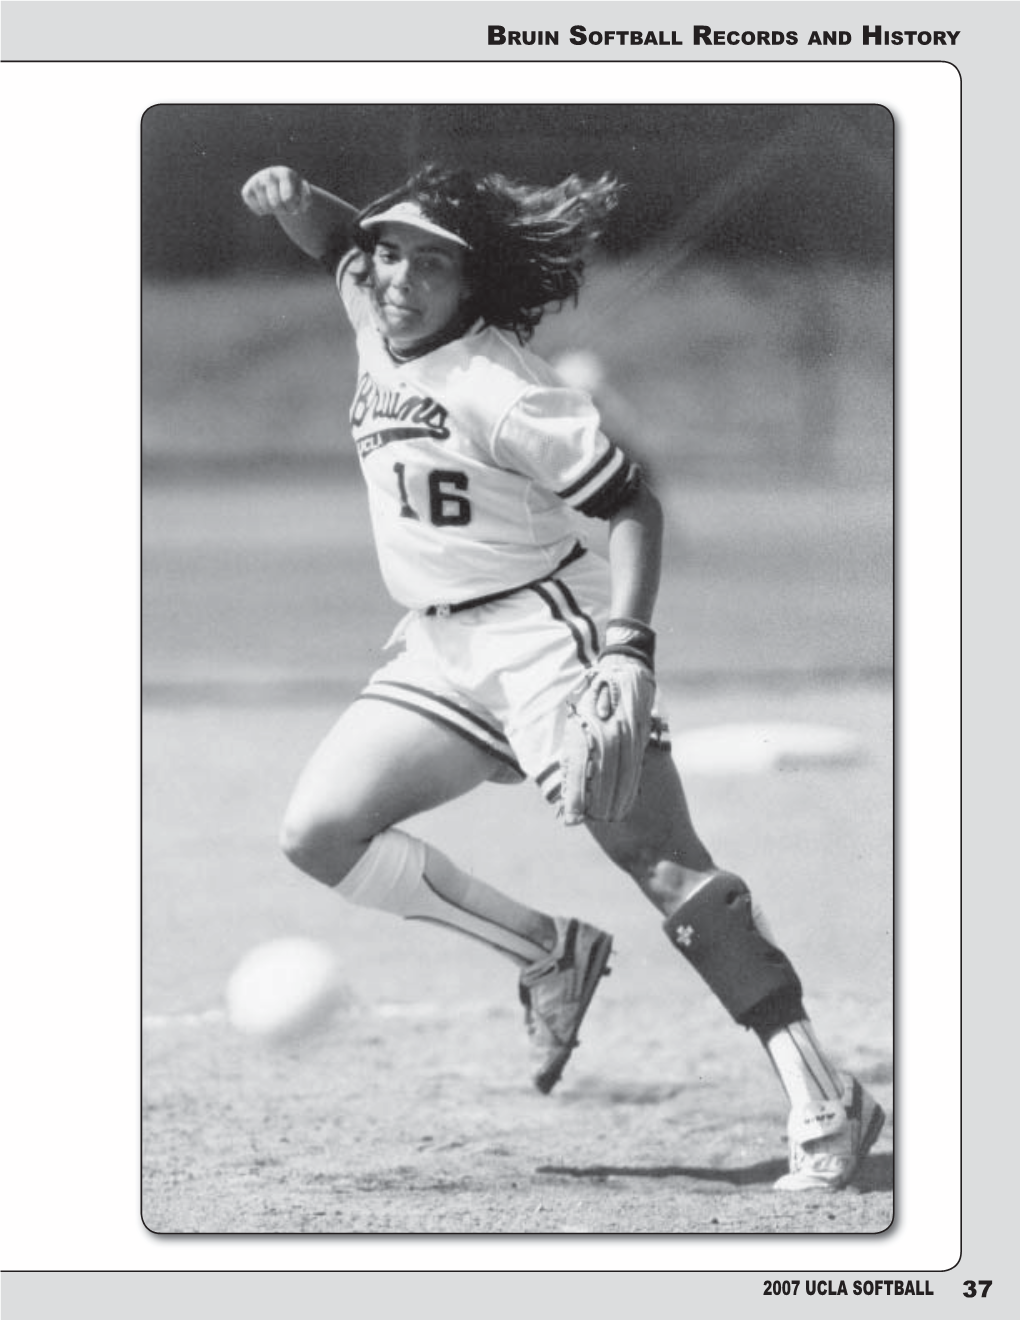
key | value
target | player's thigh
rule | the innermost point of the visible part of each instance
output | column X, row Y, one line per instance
column 378, row 765
column 659, row 828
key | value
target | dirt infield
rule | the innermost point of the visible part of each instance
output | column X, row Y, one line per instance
column 413, row 1112
column 426, row 1125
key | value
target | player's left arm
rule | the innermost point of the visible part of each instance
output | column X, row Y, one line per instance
column 609, row 721
column 635, row 556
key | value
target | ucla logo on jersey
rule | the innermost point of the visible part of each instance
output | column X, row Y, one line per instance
column 406, row 416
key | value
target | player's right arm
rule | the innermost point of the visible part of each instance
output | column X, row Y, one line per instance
column 319, row 223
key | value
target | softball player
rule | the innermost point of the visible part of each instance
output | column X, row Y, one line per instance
column 477, row 461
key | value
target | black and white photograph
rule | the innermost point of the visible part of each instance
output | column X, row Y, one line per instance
column 517, row 669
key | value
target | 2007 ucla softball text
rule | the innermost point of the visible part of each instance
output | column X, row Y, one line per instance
column 840, row 1288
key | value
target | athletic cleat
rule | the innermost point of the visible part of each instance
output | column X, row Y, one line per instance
column 556, row 992
column 829, row 1139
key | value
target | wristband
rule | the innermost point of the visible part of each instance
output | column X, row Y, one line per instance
column 630, row 637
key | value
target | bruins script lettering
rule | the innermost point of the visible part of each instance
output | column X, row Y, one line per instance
column 421, row 415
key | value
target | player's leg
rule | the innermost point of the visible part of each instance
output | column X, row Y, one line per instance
column 711, row 918
column 709, row 914
column 378, row 766
column 657, row 845
column 383, row 763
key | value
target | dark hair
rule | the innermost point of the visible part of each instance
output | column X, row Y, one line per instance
column 526, row 242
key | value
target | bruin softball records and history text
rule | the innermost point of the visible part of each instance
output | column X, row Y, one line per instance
column 703, row 35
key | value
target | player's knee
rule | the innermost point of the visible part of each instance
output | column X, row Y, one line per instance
column 323, row 846
column 298, row 843
column 643, row 862
column 665, row 875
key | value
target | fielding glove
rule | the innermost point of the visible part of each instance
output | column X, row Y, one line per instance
column 608, row 726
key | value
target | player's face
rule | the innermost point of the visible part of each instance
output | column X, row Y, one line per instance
column 420, row 284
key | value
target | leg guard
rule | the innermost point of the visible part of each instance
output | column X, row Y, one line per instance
column 753, row 980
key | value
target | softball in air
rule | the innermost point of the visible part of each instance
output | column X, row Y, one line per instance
column 284, row 990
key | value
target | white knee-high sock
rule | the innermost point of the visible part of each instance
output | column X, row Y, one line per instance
column 805, row 1072
column 412, row 879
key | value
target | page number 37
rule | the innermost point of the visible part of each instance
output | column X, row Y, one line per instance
column 971, row 1286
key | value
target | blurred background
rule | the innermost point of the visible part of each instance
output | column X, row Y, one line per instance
column 740, row 305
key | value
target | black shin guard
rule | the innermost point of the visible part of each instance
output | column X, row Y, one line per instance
column 753, row 980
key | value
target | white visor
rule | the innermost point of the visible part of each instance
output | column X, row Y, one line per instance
column 410, row 213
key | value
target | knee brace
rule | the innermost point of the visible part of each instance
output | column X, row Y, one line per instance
column 716, row 932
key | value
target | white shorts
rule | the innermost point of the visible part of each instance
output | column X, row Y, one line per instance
column 500, row 674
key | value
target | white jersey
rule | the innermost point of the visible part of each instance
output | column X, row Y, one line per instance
column 475, row 456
